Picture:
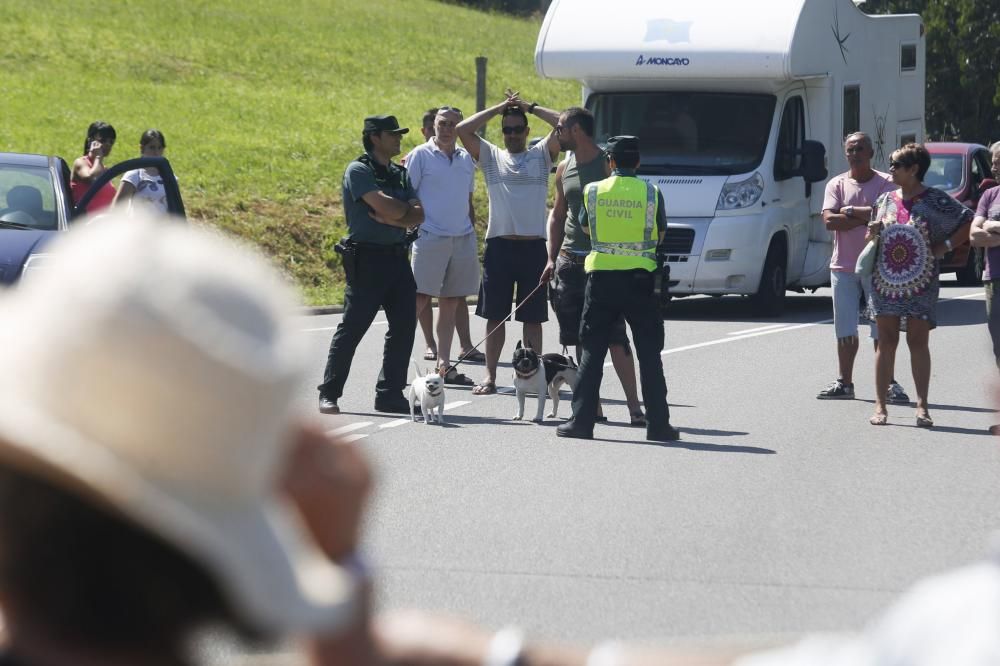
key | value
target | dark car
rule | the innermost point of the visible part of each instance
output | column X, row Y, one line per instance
column 35, row 205
column 963, row 171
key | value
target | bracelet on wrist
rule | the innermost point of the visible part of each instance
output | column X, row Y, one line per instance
column 531, row 107
column 506, row 648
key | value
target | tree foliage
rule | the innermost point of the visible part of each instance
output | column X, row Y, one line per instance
column 963, row 65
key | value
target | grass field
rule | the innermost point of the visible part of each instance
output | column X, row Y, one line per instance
column 261, row 102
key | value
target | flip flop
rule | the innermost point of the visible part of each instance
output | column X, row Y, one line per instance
column 456, row 378
column 486, row 388
column 430, row 355
column 925, row 421
column 474, row 356
column 879, row 419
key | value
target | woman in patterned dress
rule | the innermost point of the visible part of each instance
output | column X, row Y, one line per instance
column 917, row 226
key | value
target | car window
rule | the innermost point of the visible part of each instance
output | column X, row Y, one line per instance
column 27, row 197
column 981, row 167
column 945, row 172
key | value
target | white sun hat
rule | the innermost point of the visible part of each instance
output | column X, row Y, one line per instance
column 154, row 366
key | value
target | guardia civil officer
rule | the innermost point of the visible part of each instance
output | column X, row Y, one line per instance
column 380, row 207
column 625, row 219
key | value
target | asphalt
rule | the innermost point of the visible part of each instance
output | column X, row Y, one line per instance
column 776, row 514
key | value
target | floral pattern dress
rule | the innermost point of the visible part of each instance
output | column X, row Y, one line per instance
column 905, row 282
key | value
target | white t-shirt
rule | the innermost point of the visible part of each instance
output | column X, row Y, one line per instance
column 518, row 186
column 149, row 190
column 443, row 185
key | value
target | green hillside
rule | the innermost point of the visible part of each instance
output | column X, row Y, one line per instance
column 261, row 102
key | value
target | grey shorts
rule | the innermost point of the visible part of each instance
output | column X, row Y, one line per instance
column 446, row 265
column 850, row 292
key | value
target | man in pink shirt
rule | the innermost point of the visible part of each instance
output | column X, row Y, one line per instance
column 847, row 208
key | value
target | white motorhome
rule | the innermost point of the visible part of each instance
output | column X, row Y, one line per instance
column 731, row 100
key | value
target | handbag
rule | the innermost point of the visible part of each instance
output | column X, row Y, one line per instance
column 866, row 260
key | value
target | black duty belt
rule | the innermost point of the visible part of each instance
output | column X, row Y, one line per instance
column 397, row 249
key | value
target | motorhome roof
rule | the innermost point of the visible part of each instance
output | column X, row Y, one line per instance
column 664, row 40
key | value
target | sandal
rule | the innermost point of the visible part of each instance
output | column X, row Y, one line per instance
column 456, row 378
column 879, row 419
column 474, row 356
column 637, row 418
column 485, row 388
column 925, row 421
column 430, row 355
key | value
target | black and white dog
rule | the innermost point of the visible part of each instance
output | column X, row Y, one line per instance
column 540, row 375
column 529, row 377
column 559, row 370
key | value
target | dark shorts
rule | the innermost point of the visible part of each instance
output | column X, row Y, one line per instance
column 566, row 293
column 507, row 263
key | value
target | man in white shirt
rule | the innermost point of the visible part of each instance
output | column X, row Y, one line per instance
column 517, row 179
column 445, row 254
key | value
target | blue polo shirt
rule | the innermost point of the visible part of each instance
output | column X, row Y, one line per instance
column 365, row 175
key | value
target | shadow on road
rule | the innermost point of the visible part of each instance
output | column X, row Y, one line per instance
column 692, row 446
column 714, row 433
column 962, row 312
column 942, row 408
column 798, row 307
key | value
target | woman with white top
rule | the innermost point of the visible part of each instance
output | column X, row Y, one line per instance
column 145, row 185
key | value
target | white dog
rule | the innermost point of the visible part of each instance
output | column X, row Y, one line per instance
column 428, row 390
column 529, row 377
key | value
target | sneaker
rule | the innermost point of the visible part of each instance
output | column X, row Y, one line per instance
column 896, row 395
column 838, row 390
column 327, row 406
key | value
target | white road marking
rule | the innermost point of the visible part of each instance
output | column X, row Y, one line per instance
column 334, row 328
column 354, row 438
column 734, row 338
column 344, row 429
column 710, row 343
column 448, row 405
column 980, row 295
column 759, row 328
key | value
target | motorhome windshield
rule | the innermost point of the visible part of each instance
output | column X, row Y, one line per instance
column 688, row 132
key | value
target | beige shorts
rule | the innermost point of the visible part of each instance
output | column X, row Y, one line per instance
column 446, row 265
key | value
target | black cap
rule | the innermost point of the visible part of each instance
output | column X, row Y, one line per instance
column 622, row 145
column 384, row 124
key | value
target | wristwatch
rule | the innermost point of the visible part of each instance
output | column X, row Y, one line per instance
column 848, row 211
column 531, row 107
column 947, row 243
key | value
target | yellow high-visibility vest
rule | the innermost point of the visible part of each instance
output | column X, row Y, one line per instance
column 621, row 211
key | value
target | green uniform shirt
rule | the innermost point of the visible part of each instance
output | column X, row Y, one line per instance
column 365, row 175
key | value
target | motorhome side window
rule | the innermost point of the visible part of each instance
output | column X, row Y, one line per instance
column 791, row 136
column 908, row 58
column 852, row 110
